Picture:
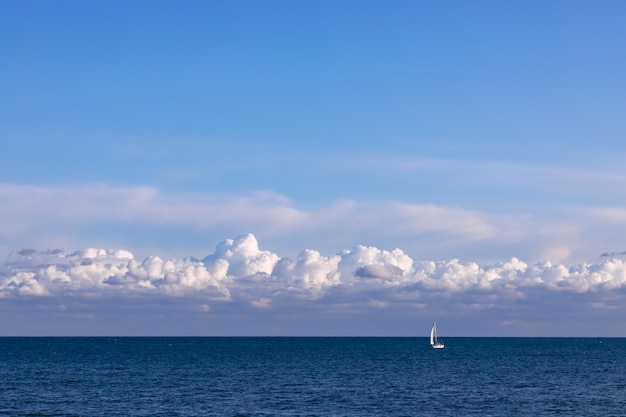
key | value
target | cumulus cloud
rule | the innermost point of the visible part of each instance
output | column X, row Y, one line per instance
column 241, row 288
column 238, row 270
column 98, row 272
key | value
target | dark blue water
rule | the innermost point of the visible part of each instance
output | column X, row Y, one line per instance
column 312, row 377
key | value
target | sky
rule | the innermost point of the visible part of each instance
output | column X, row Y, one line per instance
column 314, row 168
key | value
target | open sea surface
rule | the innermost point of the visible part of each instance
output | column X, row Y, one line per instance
column 311, row 376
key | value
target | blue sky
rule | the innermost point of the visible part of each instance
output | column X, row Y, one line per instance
column 472, row 131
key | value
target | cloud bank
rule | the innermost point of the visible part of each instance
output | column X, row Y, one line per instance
column 242, row 289
column 241, row 272
column 486, row 269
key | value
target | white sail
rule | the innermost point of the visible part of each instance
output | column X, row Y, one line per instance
column 432, row 334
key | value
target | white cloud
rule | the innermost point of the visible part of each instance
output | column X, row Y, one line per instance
column 99, row 272
column 310, row 274
column 243, row 289
column 244, row 257
column 114, row 216
column 239, row 271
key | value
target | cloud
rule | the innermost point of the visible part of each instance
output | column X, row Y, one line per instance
column 241, row 288
column 75, row 206
column 149, row 221
column 584, row 178
column 239, row 270
column 612, row 254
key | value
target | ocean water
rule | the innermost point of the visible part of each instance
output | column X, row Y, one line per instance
column 313, row 376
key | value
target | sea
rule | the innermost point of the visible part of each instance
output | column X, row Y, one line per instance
column 311, row 376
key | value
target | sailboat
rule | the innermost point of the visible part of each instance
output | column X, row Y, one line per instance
column 436, row 344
